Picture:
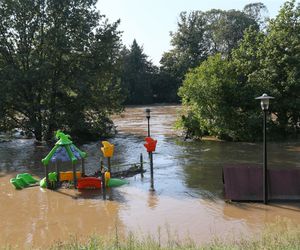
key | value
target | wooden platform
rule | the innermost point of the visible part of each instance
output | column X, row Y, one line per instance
column 244, row 183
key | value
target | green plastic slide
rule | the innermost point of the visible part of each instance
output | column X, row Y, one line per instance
column 23, row 180
column 18, row 183
column 28, row 178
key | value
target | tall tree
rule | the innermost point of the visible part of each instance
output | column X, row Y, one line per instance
column 137, row 75
column 189, row 46
column 225, row 29
column 57, row 60
column 199, row 35
column 279, row 71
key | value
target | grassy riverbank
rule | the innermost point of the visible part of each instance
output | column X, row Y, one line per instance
column 277, row 236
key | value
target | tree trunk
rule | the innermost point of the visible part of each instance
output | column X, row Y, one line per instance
column 38, row 129
column 38, row 133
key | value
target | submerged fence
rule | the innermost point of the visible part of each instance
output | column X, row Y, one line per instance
column 245, row 183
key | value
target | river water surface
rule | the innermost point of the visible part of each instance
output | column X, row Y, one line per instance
column 188, row 201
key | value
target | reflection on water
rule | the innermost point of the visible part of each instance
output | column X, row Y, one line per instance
column 187, row 179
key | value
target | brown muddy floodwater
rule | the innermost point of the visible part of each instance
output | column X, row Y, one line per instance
column 188, row 201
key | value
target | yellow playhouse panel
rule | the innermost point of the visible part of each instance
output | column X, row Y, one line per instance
column 68, row 176
column 108, row 149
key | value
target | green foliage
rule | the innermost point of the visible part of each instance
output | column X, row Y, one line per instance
column 221, row 91
column 57, row 65
column 270, row 63
column 257, row 11
column 225, row 29
column 200, row 35
column 191, row 125
column 216, row 100
column 279, row 69
column 137, row 75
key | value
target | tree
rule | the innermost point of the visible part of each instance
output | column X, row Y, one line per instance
column 220, row 92
column 200, row 35
column 258, row 12
column 58, row 60
column 279, row 72
column 189, row 46
column 215, row 104
column 225, row 29
column 137, row 75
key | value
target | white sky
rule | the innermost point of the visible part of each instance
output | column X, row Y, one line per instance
column 150, row 21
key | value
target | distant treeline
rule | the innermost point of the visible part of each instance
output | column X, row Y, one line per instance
column 63, row 66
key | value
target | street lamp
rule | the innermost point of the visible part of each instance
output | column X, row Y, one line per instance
column 264, row 103
column 147, row 110
column 148, row 118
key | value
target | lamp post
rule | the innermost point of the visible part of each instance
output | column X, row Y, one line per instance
column 150, row 153
column 148, row 118
column 264, row 103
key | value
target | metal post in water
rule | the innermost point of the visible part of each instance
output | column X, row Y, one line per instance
column 148, row 126
column 142, row 166
column 103, row 183
column 148, row 111
column 151, row 172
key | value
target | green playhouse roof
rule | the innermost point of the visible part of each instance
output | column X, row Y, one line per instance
column 64, row 150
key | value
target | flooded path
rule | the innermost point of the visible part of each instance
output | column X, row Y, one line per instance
column 188, row 200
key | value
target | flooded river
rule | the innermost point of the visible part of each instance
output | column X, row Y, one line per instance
column 188, row 201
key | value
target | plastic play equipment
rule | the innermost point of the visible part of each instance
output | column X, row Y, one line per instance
column 107, row 149
column 107, row 177
column 115, row 182
column 64, row 151
column 89, row 183
column 52, row 179
column 68, row 175
column 23, row 180
column 96, row 183
column 150, row 144
column 18, row 183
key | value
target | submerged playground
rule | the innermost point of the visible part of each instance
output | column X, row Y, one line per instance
column 65, row 151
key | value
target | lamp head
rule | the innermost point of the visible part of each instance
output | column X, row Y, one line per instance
column 264, row 101
column 147, row 112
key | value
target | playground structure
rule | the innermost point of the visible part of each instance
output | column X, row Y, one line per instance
column 64, row 151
